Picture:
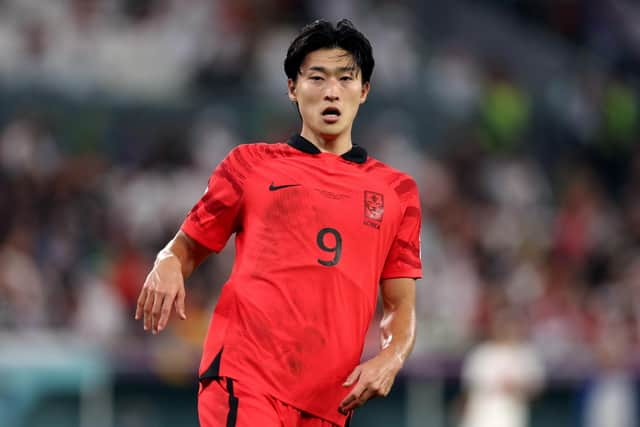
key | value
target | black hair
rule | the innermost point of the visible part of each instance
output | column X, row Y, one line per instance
column 322, row 34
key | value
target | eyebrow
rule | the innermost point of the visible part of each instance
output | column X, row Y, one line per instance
column 324, row 69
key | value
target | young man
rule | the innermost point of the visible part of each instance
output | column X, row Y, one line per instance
column 319, row 226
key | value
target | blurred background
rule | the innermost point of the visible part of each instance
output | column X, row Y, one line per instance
column 519, row 120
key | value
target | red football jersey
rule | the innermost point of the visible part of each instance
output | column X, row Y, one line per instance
column 315, row 234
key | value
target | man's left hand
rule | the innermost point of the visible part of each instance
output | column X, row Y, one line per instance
column 374, row 379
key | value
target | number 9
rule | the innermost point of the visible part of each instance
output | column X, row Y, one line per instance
column 337, row 249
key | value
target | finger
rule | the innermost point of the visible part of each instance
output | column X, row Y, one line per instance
column 384, row 392
column 353, row 377
column 343, row 408
column 379, row 389
column 343, row 411
column 165, row 312
column 180, row 304
column 366, row 395
column 140, row 305
column 347, row 400
column 385, row 389
column 353, row 395
column 158, row 298
column 148, row 305
column 355, row 402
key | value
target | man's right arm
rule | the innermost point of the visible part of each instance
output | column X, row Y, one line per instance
column 164, row 285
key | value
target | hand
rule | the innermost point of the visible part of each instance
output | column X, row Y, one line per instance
column 163, row 288
column 375, row 378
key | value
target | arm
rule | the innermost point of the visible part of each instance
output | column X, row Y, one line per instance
column 398, row 331
column 398, row 325
column 164, row 285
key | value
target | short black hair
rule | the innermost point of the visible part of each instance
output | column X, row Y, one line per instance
column 322, row 34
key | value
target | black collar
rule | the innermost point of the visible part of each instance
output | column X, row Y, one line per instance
column 357, row 154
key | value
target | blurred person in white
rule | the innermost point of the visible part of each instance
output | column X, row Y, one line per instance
column 610, row 395
column 501, row 375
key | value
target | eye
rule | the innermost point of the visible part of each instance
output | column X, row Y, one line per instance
column 315, row 78
column 346, row 78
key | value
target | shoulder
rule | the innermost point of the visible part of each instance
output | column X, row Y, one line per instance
column 248, row 156
column 244, row 159
column 401, row 182
column 259, row 151
column 263, row 148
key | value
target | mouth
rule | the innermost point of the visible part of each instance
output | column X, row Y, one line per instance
column 331, row 114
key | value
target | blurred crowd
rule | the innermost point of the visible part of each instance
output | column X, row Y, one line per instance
column 158, row 49
column 529, row 191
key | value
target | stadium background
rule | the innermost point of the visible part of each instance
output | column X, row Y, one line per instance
column 518, row 119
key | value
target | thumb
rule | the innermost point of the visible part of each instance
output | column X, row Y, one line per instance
column 180, row 304
column 353, row 377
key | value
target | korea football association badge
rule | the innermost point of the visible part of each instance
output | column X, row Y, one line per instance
column 373, row 208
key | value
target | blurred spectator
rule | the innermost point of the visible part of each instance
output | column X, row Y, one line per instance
column 501, row 375
column 22, row 291
column 27, row 148
column 610, row 395
column 505, row 112
column 100, row 315
column 454, row 79
column 396, row 58
column 620, row 114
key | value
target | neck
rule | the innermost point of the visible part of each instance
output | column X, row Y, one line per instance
column 336, row 144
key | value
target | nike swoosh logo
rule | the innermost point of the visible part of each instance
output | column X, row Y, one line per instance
column 280, row 187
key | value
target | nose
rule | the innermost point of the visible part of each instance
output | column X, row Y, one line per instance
column 332, row 91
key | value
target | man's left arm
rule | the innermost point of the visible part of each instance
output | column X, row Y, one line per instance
column 398, row 332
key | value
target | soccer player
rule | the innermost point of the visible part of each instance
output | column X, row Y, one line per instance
column 319, row 226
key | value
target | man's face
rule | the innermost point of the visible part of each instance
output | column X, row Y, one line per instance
column 329, row 91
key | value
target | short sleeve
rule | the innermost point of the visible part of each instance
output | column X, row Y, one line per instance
column 403, row 259
column 216, row 215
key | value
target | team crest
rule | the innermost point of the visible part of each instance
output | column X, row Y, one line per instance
column 373, row 208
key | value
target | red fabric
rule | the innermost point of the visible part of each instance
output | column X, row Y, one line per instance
column 253, row 409
column 315, row 235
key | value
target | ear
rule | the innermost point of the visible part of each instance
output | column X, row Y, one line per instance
column 291, row 86
column 365, row 91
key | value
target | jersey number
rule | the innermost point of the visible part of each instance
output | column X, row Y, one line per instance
column 335, row 249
